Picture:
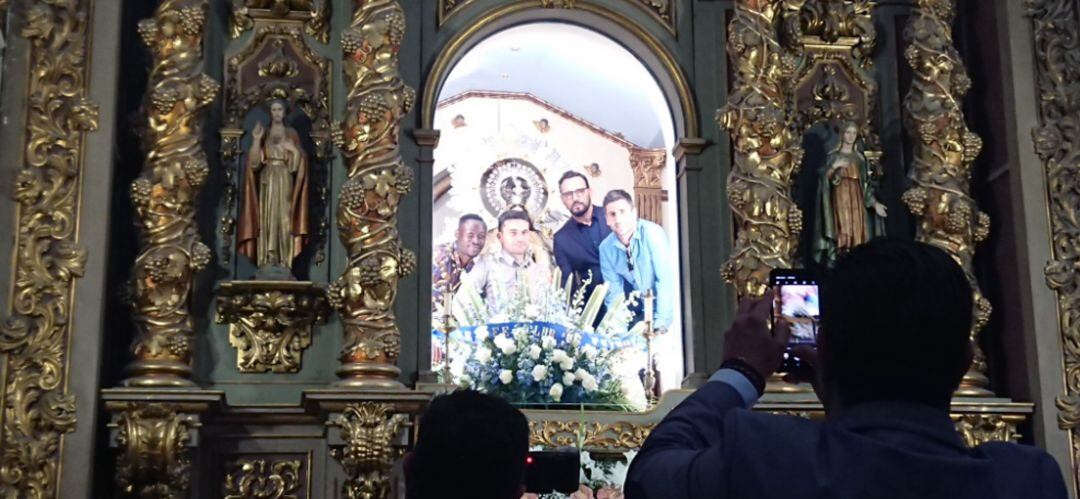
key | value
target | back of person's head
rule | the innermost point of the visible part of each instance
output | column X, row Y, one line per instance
column 895, row 323
column 470, row 445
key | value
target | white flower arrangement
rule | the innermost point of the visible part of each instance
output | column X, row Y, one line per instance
column 543, row 351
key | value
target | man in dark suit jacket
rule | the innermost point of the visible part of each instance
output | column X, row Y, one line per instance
column 892, row 348
column 577, row 243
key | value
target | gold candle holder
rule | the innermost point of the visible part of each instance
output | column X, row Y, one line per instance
column 650, row 366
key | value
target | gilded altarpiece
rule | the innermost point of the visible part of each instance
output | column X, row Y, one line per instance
column 341, row 75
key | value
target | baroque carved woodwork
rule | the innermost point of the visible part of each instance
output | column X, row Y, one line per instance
column 766, row 150
column 165, row 193
column 369, row 430
column 152, row 441
column 590, row 435
column 314, row 14
column 663, row 11
column 276, row 63
column 377, row 179
column 270, row 323
column 38, row 409
column 978, row 429
column 943, row 153
column 1057, row 142
column 264, row 478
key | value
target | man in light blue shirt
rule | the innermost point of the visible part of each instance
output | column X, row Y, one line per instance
column 636, row 257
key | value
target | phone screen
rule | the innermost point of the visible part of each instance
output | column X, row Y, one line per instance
column 798, row 302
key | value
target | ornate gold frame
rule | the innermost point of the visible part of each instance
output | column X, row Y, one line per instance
column 34, row 339
column 463, row 40
column 1056, row 49
column 662, row 11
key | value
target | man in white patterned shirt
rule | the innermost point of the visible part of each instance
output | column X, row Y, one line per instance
column 504, row 276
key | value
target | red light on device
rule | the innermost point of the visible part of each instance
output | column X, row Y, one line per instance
column 528, row 459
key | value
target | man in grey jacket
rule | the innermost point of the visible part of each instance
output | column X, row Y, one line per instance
column 892, row 348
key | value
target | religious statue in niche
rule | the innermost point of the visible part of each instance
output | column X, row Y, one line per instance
column 848, row 212
column 273, row 225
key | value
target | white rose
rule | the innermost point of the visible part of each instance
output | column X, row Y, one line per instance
column 509, row 349
column 483, row 355
column 589, row 383
column 539, row 372
column 534, row 352
column 589, row 351
column 501, row 341
column 580, row 374
column 506, row 376
column 555, row 392
column 548, row 343
column 558, row 355
column 567, row 364
column 481, row 333
column 568, row 378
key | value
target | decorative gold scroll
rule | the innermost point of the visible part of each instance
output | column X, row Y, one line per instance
column 270, row 322
column 663, row 11
column 153, row 463
column 369, row 430
column 1057, row 56
column 589, row 435
column 367, row 210
column 977, row 429
column 265, row 479
column 315, row 14
column 164, row 194
column 943, row 153
column 766, row 150
column 34, row 338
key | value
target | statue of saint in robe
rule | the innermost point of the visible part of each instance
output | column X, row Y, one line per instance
column 848, row 212
column 273, row 224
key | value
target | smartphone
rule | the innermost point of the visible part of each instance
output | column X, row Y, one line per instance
column 552, row 471
column 797, row 300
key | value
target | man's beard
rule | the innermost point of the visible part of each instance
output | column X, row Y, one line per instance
column 579, row 212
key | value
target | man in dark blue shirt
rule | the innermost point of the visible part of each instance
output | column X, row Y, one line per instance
column 577, row 244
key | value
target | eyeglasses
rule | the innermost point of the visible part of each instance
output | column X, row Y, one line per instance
column 575, row 193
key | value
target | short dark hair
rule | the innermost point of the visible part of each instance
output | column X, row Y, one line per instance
column 896, row 321
column 470, row 216
column 569, row 174
column 514, row 215
column 616, row 195
column 470, row 445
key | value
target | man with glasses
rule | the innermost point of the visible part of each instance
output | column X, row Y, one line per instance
column 577, row 243
column 636, row 257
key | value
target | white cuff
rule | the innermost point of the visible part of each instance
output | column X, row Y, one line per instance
column 736, row 380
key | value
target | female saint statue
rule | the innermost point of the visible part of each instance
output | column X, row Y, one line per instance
column 273, row 224
column 848, row 212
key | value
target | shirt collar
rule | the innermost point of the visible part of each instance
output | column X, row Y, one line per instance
column 509, row 259
column 914, row 418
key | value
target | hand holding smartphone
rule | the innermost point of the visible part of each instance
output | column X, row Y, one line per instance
column 796, row 300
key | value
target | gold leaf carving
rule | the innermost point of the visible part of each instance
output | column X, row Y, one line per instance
column 377, row 100
column 34, row 338
column 263, row 479
column 766, row 154
column 153, row 462
column 588, row 435
column 943, row 154
column 164, row 194
column 978, row 429
column 315, row 14
column 1056, row 141
column 369, row 430
column 270, row 323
